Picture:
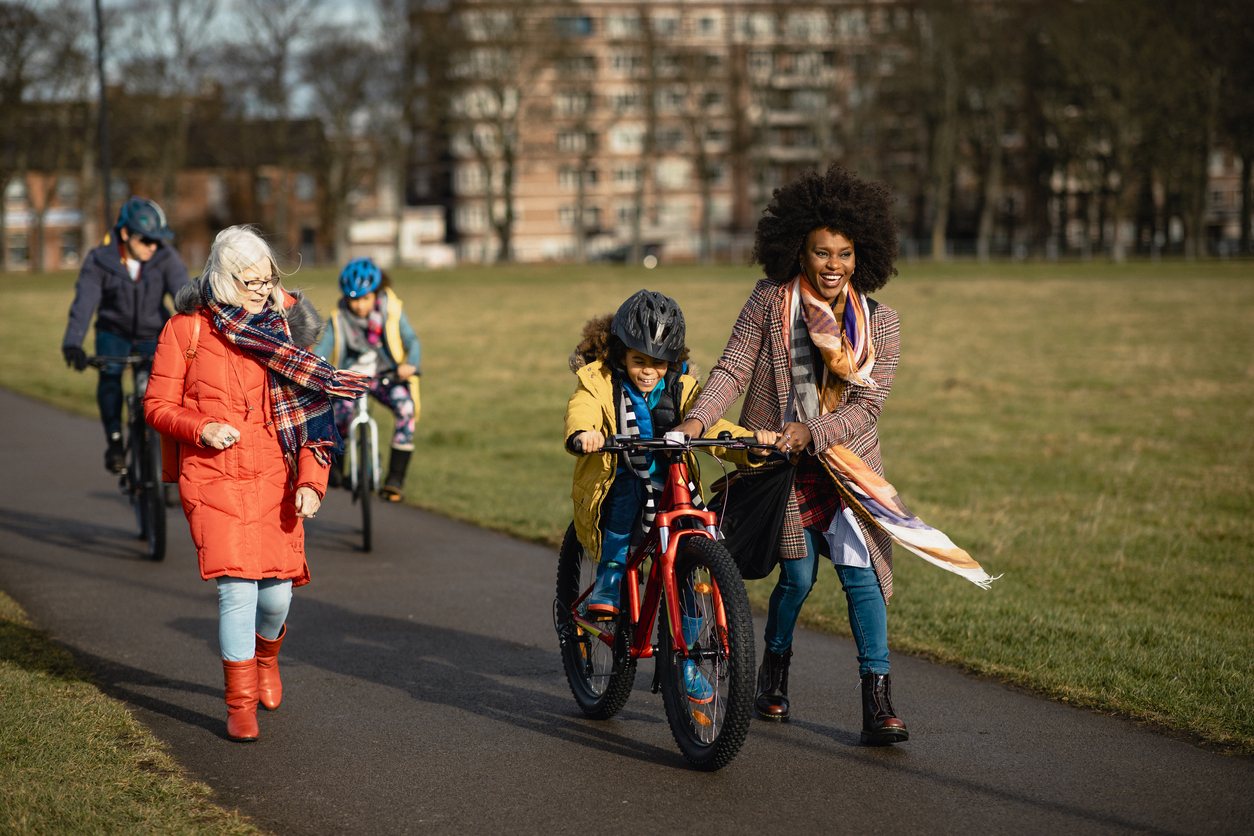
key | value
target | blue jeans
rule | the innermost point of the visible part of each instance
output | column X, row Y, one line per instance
column 868, row 619
column 245, row 607
column 109, row 387
column 618, row 516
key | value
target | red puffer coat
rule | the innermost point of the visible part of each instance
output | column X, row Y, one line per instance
column 239, row 501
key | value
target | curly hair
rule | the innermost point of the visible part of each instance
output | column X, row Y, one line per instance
column 597, row 342
column 839, row 201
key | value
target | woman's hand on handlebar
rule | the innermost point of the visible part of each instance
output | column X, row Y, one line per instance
column 691, row 428
column 219, row 436
column 589, row 441
column 793, row 437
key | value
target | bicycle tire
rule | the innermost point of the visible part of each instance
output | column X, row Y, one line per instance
column 709, row 733
column 599, row 691
column 365, row 456
column 151, row 495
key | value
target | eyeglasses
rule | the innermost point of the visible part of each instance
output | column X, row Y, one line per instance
column 258, row 284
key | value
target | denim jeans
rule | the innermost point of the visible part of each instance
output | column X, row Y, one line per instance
column 245, row 607
column 618, row 516
column 109, row 387
column 868, row 619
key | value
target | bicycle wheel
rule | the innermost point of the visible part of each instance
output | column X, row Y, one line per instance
column 589, row 662
column 150, row 496
column 709, row 697
column 365, row 484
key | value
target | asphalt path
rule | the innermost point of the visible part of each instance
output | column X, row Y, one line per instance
column 423, row 693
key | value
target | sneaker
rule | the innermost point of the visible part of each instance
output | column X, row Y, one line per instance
column 390, row 493
column 698, row 687
column 115, row 455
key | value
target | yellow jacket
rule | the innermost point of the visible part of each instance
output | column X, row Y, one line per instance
column 592, row 408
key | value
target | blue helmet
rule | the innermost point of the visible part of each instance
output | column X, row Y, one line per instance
column 143, row 217
column 359, row 277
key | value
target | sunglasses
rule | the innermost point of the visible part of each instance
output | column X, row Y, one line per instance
column 258, row 284
column 145, row 240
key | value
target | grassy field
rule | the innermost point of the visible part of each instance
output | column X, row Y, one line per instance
column 1082, row 428
column 74, row 761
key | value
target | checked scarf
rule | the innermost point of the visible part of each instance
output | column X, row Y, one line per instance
column 631, row 406
column 301, row 382
column 842, row 334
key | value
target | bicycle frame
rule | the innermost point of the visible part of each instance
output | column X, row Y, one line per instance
column 662, row 543
column 360, row 417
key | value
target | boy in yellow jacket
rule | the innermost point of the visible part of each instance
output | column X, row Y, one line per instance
column 632, row 369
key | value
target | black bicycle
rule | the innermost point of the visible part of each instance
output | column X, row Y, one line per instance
column 141, row 479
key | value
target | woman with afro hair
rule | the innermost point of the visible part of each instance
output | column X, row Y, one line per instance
column 815, row 357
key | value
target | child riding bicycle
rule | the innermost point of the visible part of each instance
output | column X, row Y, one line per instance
column 633, row 380
column 370, row 334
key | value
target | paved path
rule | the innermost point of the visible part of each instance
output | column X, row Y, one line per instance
column 424, row 694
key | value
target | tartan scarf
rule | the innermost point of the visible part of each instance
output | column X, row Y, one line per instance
column 639, row 463
column 301, row 382
column 842, row 334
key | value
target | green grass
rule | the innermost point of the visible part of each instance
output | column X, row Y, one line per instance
column 1082, row 428
column 74, row 761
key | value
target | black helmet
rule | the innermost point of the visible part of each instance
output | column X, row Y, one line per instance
column 651, row 324
column 144, row 217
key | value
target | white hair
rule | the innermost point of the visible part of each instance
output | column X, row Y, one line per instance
column 235, row 250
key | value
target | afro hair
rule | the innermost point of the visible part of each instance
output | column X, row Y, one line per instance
column 839, row 201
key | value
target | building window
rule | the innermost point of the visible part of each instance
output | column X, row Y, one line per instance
column 591, row 217
column 627, row 139
column 572, row 141
column 627, row 174
column 262, row 189
column 215, row 194
column 622, row 26
column 67, row 193
column 670, row 139
column 568, row 178
column 70, row 243
column 625, row 101
column 671, row 99
column 306, row 187
column 576, row 66
column 572, row 104
column 708, row 26
column 666, row 25
column 626, row 63
column 761, row 63
column 672, row 174
column 472, row 218
column 19, row 249
column 573, row 27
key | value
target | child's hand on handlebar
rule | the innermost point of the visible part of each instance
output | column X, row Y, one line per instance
column 405, row 371
column 590, row 441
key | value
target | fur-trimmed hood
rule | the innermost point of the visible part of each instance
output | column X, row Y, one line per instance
column 302, row 317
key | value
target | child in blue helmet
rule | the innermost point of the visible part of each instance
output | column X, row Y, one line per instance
column 370, row 334
column 633, row 380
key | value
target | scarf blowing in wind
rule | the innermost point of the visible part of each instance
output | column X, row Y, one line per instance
column 301, row 382
column 841, row 331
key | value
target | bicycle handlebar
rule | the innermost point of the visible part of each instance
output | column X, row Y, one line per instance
column 100, row 361
column 625, row 444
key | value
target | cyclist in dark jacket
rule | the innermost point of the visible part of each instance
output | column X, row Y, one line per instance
column 126, row 278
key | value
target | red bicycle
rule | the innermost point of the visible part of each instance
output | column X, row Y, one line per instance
column 704, row 655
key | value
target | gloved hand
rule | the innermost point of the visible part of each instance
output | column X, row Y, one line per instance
column 74, row 356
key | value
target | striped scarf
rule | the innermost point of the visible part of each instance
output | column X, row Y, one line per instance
column 842, row 334
column 301, row 382
column 633, row 411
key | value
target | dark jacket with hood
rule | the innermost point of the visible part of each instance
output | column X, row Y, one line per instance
column 133, row 310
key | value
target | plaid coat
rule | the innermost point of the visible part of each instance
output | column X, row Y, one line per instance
column 755, row 363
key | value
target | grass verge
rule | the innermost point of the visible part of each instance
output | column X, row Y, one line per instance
column 1081, row 428
column 74, row 761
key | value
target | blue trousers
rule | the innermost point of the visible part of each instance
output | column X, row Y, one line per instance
column 109, row 386
column 868, row 619
column 245, row 607
column 618, row 516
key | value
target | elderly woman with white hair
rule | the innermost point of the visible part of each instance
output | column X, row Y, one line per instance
column 234, row 385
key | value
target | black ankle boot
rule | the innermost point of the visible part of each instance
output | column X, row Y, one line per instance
column 772, row 701
column 879, row 722
column 397, row 468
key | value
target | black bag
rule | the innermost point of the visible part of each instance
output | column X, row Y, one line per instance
column 753, row 521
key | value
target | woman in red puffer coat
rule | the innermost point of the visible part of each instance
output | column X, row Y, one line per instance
column 235, row 386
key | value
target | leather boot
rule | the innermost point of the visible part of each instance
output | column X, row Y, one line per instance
column 772, row 701
column 398, row 465
column 879, row 722
column 241, row 699
column 269, row 686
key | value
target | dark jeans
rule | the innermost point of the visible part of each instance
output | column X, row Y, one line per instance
column 109, row 387
column 867, row 616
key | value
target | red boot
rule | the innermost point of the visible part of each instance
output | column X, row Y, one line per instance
column 241, row 699
column 268, row 682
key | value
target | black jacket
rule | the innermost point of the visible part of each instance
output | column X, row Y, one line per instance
column 132, row 310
